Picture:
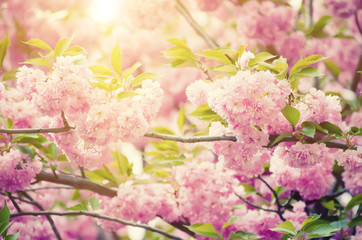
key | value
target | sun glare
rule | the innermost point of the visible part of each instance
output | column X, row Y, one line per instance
column 105, row 11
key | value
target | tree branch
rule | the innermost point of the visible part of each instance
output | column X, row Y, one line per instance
column 96, row 215
column 357, row 76
column 185, row 13
column 49, row 218
column 76, row 182
column 357, row 22
column 16, row 205
column 279, row 211
column 255, row 206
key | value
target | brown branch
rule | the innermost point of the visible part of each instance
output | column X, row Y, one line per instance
column 47, row 188
column 80, row 183
column 357, row 76
column 96, row 215
column 330, row 144
column 185, row 13
column 255, row 206
column 16, row 205
column 279, row 211
column 357, row 22
column 49, row 218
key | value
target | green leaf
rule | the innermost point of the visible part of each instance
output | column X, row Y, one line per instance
column 12, row 236
column 279, row 138
column 163, row 130
column 143, row 76
column 37, row 61
column 178, row 42
column 240, row 235
column 74, row 51
column 26, row 150
column 62, row 46
column 309, row 220
column 129, row 71
column 231, row 221
column 250, row 190
column 306, row 62
column 260, row 57
column 101, row 70
column 331, row 128
column 308, row 72
column 215, row 55
column 206, row 230
column 10, row 123
column 116, row 59
column 355, row 222
column 4, row 213
column 356, row 200
column 62, row 158
column 229, row 68
column 4, row 227
column 39, row 44
column 286, row 228
column 339, row 224
column 78, row 207
column 126, row 94
column 181, row 118
column 329, row 205
column 291, row 114
column 324, row 230
column 308, row 129
column 4, row 45
column 168, row 147
column 316, row 30
column 53, row 151
column 122, row 162
column 94, row 202
column 333, row 68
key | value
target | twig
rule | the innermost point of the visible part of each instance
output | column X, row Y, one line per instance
column 330, row 144
column 49, row 218
column 16, row 205
column 82, row 172
column 76, row 182
column 96, row 215
column 289, row 199
column 255, row 206
column 47, row 188
column 357, row 22
column 66, row 128
column 185, row 13
column 279, row 211
column 357, row 76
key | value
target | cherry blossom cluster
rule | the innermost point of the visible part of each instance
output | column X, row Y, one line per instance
column 99, row 118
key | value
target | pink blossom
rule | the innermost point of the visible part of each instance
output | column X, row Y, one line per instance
column 209, row 5
column 244, row 59
column 351, row 160
column 352, row 181
column 17, row 170
column 297, row 215
column 344, row 8
column 306, row 155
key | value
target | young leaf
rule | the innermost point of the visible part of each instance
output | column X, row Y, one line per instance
column 181, row 118
column 39, row 44
column 331, row 128
column 126, row 94
column 74, row 51
column 143, row 76
column 356, row 200
column 129, row 71
column 310, row 219
column 122, row 162
column 206, row 230
column 279, row 138
column 12, row 236
column 163, row 130
column 333, row 68
column 4, row 45
column 316, row 30
column 116, row 59
column 215, row 55
column 306, row 62
column 94, row 202
column 231, row 221
column 61, row 46
column 355, row 222
column 286, row 228
column 240, row 235
column 4, row 213
column 78, row 207
column 260, row 57
column 37, row 61
column 53, row 151
column 101, row 70
column 308, row 129
column 291, row 114
column 324, row 230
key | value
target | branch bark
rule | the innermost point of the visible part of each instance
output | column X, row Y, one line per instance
column 96, row 215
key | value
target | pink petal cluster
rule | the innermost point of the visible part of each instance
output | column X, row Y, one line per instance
column 205, row 192
column 244, row 59
column 312, row 183
column 297, row 215
column 99, row 118
column 317, row 107
column 264, row 21
column 140, row 202
column 344, row 8
column 209, row 5
column 352, row 181
column 306, row 155
column 17, row 170
column 351, row 160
